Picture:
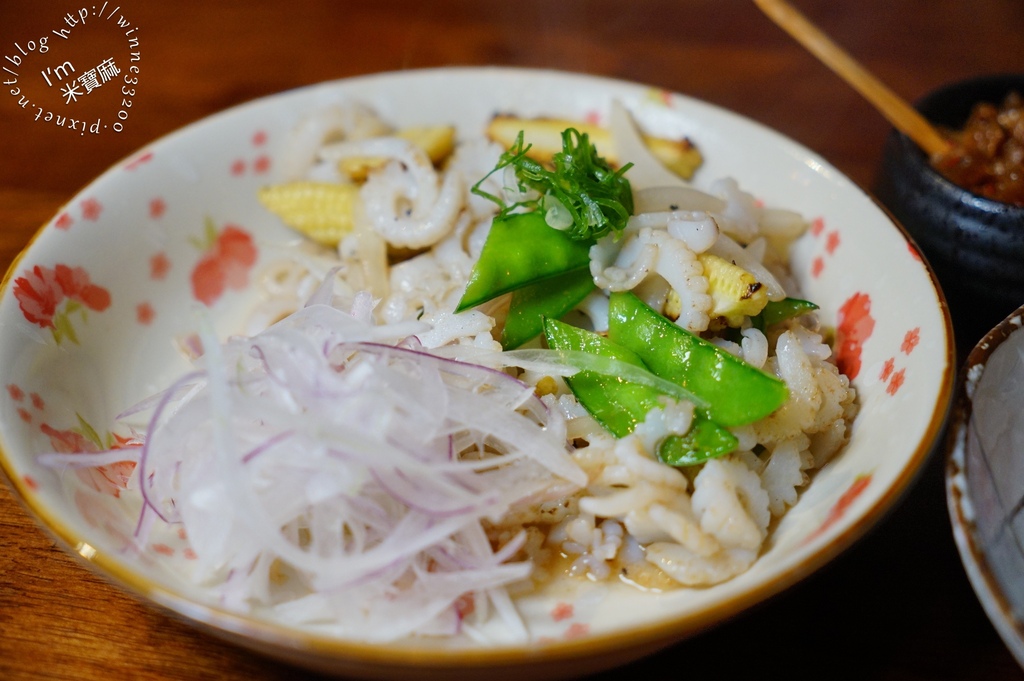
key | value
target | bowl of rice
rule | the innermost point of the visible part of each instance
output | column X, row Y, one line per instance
column 382, row 379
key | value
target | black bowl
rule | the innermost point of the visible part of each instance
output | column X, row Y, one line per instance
column 975, row 244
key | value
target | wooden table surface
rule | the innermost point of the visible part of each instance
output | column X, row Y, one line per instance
column 897, row 606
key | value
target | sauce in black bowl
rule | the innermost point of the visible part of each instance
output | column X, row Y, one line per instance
column 975, row 244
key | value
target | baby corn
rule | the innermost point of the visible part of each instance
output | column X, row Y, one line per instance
column 322, row 211
column 545, row 134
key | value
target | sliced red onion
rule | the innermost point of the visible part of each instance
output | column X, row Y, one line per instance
column 363, row 466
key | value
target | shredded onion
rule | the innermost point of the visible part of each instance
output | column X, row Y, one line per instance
column 341, row 478
column 676, row 198
column 647, row 170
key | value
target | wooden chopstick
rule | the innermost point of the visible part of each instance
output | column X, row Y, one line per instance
column 897, row 111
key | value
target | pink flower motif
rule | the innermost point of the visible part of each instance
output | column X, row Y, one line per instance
column 259, row 138
column 911, row 340
column 238, row 167
column 38, row 295
column 896, row 382
column 64, row 221
column 145, row 313
column 832, row 242
column 37, row 401
column 887, row 369
column 236, row 250
column 224, row 265
column 16, row 393
column 208, row 281
column 837, row 511
column 41, row 291
column 817, row 267
column 159, row 266
column 75, row 283
column 817, row 226
column 157, row 208
column 67, row 441
column 91, row 209
column 109, row 479
column 854, row 328
column 562, row 611
column 261, row 164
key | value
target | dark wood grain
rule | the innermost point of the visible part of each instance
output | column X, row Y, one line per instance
column 896, row 607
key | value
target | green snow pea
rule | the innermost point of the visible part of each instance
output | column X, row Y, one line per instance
column 705, row 440
column 549, row 298
column 736, row 392
column 521, row 249
column 579, row 191
column 619, row 405
column 780, row 310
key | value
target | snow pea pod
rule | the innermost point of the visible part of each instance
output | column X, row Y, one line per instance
column 521, row 249
column 780, row 310
column 737, row 393
column 619, row 405
column 551, row 298
column 705, row 440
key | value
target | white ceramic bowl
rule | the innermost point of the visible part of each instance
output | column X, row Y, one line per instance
column 111, row 273
column 985, row 476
